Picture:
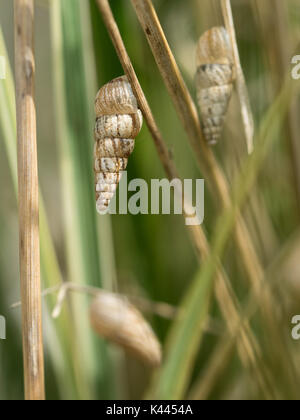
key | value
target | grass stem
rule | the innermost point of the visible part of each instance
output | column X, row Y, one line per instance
column 240, row 78
column 224, row 293
column 28, row 201
column 187, row 113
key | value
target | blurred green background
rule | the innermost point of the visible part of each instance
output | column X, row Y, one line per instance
column 149, row 256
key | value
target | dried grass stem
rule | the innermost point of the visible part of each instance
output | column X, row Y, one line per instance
column 247, row 344
column 28, row 202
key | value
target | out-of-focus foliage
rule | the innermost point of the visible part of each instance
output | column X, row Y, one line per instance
column 150, row 256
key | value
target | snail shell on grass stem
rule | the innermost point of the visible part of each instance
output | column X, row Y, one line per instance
column 117, row 320
column 215, row 77
column 118, row 122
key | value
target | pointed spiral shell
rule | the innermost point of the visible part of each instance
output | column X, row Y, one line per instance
column 215, row 76
column 118, row 122
column 115, row 319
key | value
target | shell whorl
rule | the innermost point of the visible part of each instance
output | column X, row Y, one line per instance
column 214, row 47
column 116, row 97
column 214, row 79
column 118, row 122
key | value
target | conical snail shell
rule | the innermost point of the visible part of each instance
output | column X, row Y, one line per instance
column 215, row 76
column 117, row 320
column 118, row 122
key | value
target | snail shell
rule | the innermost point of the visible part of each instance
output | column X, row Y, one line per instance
column 117, row 320
column 118, row 122
column 215, row 77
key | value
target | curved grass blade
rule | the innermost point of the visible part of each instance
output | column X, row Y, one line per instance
column 186, row 334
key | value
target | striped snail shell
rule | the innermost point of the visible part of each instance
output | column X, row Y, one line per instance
column 215, row 77
column 117, row 320
column 118, row 122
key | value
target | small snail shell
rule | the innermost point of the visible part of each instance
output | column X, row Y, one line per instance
column 215, row 76
column 115, row 319
column 118, row 122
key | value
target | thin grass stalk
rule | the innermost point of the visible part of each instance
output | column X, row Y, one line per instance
column 161, row 147
column 276, row 38
column 198, row 235
column 250, row 169
column 242, row 90
column 271, row 126
column 216, row 365
column 60, row 345
column 28, row 202
column 224, row 351
column 247, row 345
column 174, row 377
column 187, row 113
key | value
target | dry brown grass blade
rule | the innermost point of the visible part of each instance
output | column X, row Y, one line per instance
column 221, row 356
column 196, row 232
column 28, row 202
column 186, row 110
column 240, row 78
column 132, row 77
column 212, row 171
column 276, row 37
column 247, row 345
column 216, row 364
column 215, row 368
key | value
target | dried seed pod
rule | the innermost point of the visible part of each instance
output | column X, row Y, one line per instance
column 118, row 122
column 215, row 76
column 115, row 319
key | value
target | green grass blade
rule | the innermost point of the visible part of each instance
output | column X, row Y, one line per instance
column 104, row 224
column 75, row 132
column 184, row 341
column 186, row 334
column 8, row 114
